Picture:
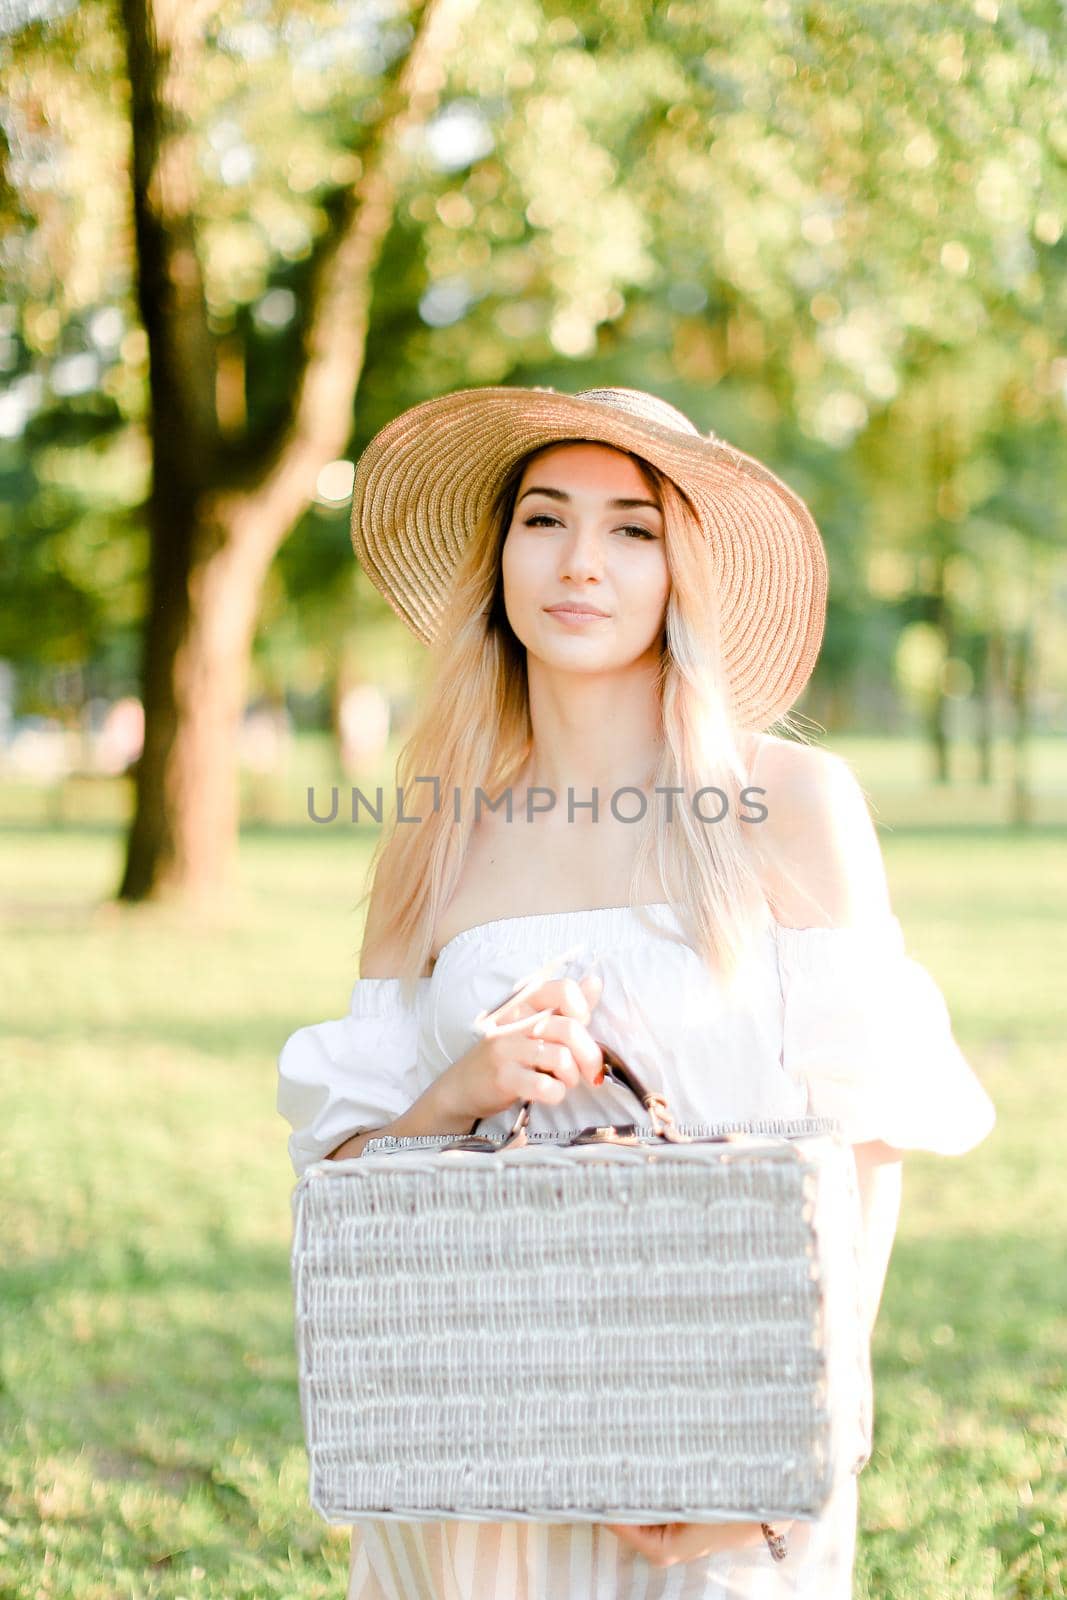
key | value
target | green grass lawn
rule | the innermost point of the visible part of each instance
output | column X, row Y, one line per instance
column 147, row 1376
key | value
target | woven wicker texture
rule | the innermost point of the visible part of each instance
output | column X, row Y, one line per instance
column 592, row 1333
column 424, row 481
column 785, row 1127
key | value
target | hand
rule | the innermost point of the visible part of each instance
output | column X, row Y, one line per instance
column 536, row 1046
column 665, row 1544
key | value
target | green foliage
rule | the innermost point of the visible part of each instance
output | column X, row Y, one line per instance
column 834, row 233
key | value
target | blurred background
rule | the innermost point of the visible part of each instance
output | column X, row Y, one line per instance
column 236, row 238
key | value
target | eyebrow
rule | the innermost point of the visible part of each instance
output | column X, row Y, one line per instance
column 616, row 505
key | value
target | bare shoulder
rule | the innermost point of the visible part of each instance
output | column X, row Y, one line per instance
column 796, row 771
column 822, row 858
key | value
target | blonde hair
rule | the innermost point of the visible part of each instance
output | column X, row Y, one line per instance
column 473, row 731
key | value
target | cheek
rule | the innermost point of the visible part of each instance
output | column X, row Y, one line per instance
column 518, row 566
column 507, row 568
column 513, row 583
column 651, row 586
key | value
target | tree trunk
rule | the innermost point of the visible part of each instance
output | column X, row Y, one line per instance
column 938, row 712
column 1022, row 800
column 990, row 675
column 185, row 831
column 214, row 525
column 943, row 454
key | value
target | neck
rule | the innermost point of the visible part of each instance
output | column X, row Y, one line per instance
column 593, row 731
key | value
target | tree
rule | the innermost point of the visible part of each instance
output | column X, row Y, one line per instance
column 827, row 234
column 219, row 510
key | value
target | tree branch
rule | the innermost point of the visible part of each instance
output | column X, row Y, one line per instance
column 340, row 297
column 160, row 40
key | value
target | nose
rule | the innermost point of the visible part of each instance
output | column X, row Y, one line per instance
column 581, row 555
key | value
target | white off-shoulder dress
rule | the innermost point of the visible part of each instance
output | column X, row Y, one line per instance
column 837, row 1022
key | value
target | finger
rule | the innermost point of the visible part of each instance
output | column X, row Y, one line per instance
column 582, row 1046
column 622, row 1532
column 546, row 1055
column 530, row 1084
column 534, row 979
column 586, row 1053
column 489, row 1023
column 641, row 1539
column 592, row 986
column 572, row 1000
column 556, row 994
column 538, row 991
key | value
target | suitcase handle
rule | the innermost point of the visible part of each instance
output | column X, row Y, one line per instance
column 615, row 1068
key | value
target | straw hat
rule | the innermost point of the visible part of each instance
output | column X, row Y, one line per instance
column 423, row 482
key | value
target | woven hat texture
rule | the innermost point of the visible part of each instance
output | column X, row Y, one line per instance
column 422, row 484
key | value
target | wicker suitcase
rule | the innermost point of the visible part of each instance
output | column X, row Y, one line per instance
column 648, row 1324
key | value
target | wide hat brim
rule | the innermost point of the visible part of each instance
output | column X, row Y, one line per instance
column 422, row 484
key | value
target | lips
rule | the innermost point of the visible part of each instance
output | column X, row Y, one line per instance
column 576, row 611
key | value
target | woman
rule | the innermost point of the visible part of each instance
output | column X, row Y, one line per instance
column 618, row 609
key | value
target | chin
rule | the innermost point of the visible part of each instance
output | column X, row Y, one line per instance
column 585, row 661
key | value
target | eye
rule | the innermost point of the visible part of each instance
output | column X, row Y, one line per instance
column 541, row 518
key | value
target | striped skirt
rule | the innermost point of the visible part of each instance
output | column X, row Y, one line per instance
column 586, row 1561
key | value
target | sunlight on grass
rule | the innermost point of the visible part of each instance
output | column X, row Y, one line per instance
column 149, row 1397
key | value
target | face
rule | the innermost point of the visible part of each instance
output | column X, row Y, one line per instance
column 586, row 533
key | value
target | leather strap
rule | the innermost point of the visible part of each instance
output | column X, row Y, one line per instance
column 775, row 1541
column 615, row 1068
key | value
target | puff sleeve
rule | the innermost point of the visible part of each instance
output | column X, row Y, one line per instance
column 340, row 1077
column 867, row 1030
